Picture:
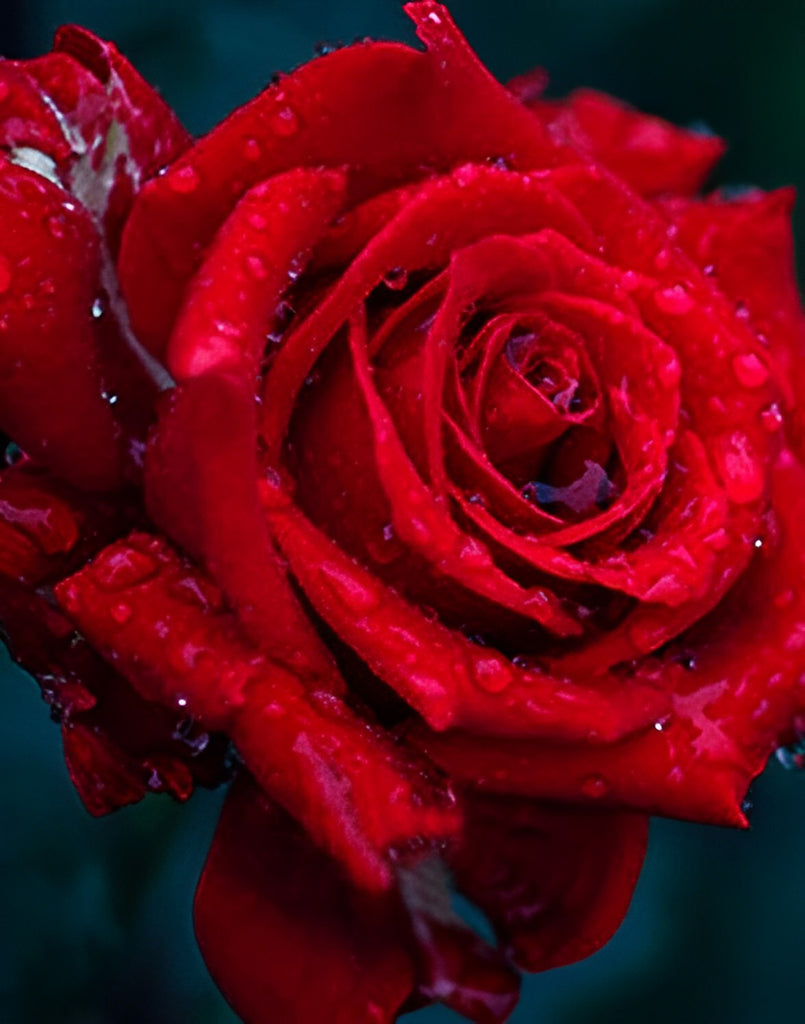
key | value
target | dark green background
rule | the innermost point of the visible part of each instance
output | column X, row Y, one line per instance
column 95, row 915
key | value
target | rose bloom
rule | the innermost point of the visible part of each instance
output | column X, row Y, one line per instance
column 424, row 457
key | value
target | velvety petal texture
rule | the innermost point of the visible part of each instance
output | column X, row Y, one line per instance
column 420, row 456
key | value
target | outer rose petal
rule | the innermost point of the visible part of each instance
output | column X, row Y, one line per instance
column 649, row 154
column 166, row 630
column 201, row 488
column 285, row 935
column 52, row 392
column 230, row 304
column 116, row 745
column 556, row 881
column 746, row 244
column 370, row 108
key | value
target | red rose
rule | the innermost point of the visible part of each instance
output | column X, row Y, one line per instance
column 461, row 446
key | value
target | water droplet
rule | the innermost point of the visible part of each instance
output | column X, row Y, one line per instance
column 493, row 674
column 434, row 17
column 182, row 702
column 718, row 539
column 757, row 542
column 97, row 309
column 674, row 301
column 121, row 612
column 5, row 274
column 595, row 786
column 396, row 278
column 465, row 175
column 772, row 418
column 663, row 259
column 285, row 122
column 256, row 267
column 185, row 180
column 357, row 596
column 743, row 476
column 251, row 149
column 709, row 270
column 670, row 373
column 749, row 370
column 55, row 226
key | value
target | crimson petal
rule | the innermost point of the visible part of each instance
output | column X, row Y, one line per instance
column 649, row 154
column 555, row 881
column 285, row 935
column 165, row 628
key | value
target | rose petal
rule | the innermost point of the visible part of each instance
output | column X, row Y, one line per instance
column 649, row 154
column 52, row 391
column 369, row 107
column 229, row 306
column 555, row 881
column 201, row 488
column 163, row 626
column 443, row 675
column 285, row 935
column 447, row 214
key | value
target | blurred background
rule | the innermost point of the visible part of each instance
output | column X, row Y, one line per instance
column 95, row 915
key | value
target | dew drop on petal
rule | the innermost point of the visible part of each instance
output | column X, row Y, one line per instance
column 674, row 301
column 185, row 180
column 121, row 612
column 285, row 122
column 662, row 260
column 772, row 418
column 349, row 590
column 257, row 221
column 396, row 278
column 493, row 674
column 749, row 370
column 465, row 175
column 670, row 373
column 55, row 226
column 256, row 267
column 251, row 149
column 595, row 786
